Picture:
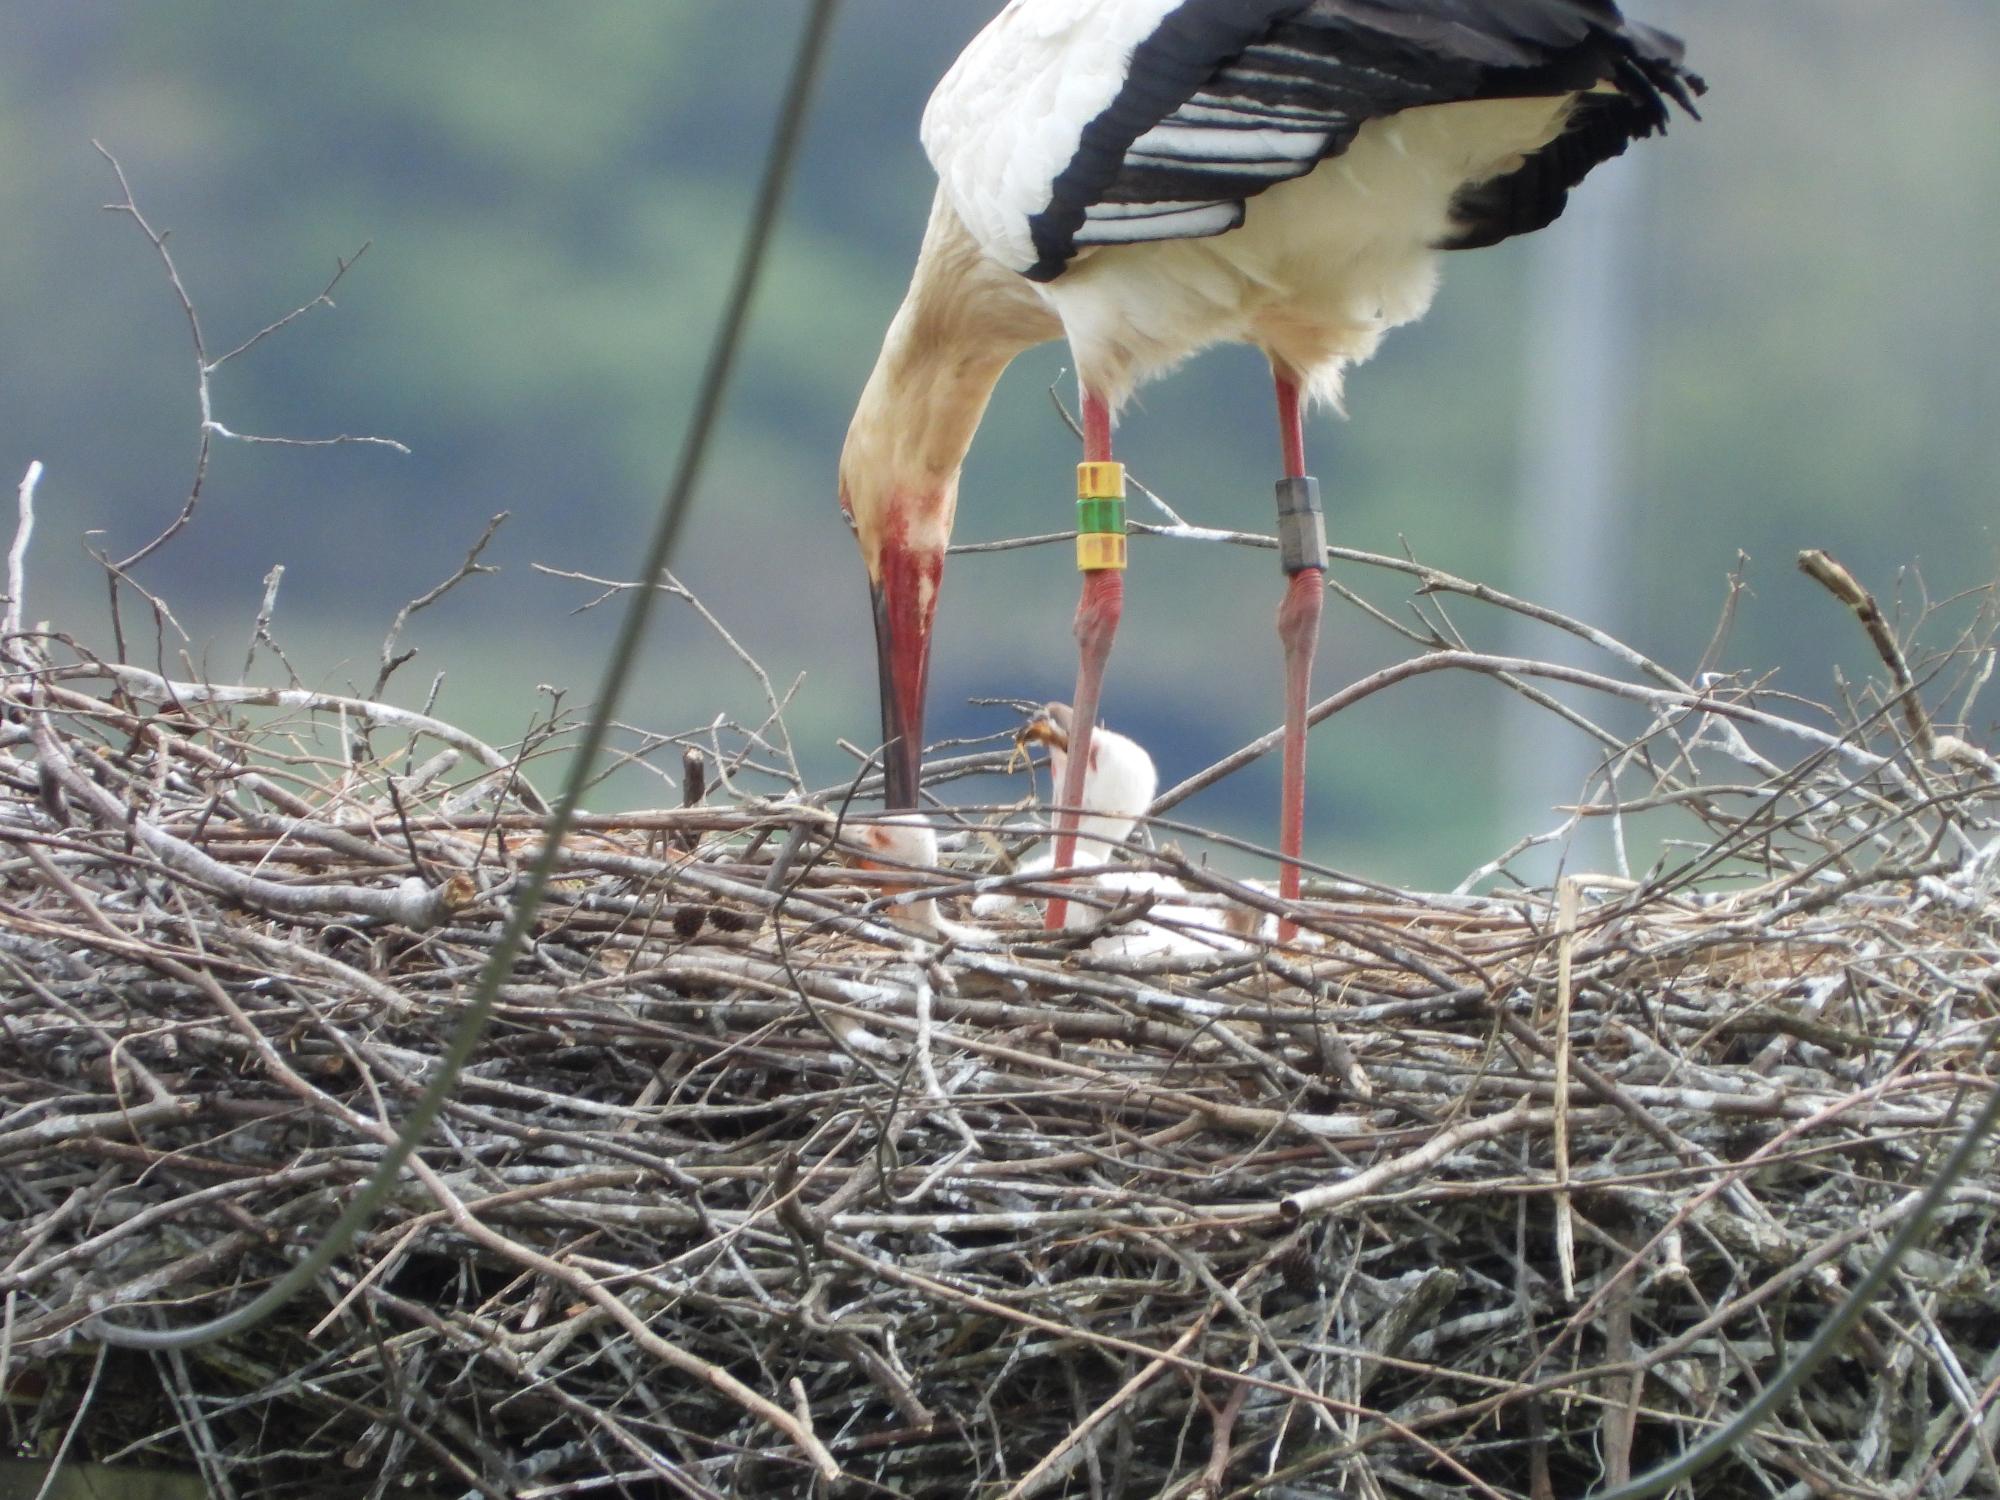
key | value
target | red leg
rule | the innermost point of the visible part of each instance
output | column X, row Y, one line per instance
column 1096, row 624
column 1291, row 429
column 1298, row 630
column 1303, row 539
column 1096, row 429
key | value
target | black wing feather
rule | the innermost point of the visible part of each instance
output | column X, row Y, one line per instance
column 1648, row 75
column 1305, row 75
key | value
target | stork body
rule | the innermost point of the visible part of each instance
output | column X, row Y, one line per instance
column 1117, row 785
column 1148, row 177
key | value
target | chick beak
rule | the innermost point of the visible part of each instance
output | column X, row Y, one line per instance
column 1050, row 727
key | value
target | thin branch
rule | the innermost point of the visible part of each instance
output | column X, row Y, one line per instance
column 260, row 632
column 71, row 1428
column 672, row 586
column 152, row 688
column 324, row 299
column 390, row 660
column 17, row 553
column 129, row 205
column 209, row 426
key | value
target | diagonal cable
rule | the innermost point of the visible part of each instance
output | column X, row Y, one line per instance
column 659, row 552
column 1726, row 1438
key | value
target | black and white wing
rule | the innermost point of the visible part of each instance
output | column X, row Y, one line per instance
column 1071, row 123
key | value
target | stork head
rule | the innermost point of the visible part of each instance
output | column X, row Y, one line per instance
column 908, row 846
column 897, row 844
column 1118, row 784
column 963, row 318
column 899, row 487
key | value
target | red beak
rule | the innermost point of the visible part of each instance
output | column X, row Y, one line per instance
column 903, row 613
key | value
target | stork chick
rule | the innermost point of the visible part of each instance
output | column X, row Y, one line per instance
column 1118, row 786
column 909, row 844
column 1119, row 780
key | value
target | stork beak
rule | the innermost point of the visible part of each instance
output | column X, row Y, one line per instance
column 903, row 656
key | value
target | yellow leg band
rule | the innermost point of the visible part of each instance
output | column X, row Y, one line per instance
column 1098, row 551
column 1100, row 481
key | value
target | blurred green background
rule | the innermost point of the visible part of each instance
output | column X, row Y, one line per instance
column 1789, row 344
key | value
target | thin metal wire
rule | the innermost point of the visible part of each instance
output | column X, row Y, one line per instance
column 1724, row 1440
column 625, row 652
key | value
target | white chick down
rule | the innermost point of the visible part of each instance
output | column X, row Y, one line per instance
column 907, row 842
column 1118, row 787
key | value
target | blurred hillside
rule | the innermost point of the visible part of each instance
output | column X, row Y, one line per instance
column 552, row 196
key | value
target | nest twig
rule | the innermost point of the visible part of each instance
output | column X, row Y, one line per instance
column 1505, row 1194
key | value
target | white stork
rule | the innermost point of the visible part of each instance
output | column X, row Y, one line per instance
column 1149, row 177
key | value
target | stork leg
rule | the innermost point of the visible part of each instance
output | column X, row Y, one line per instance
column 1097, row 615
column 1302, row 545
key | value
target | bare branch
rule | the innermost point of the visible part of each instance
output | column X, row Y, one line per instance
column 153, row 688
column 466, row 569
column 1826, row 571
column 17, row 553
column 324, row 299
column 897, row 1184
column 208, row 426
column 129, row 205
column 260, row 632
column 673, row 586
column 337, row 441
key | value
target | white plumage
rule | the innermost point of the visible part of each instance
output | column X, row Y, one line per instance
column 1118, row 783
column 1003, row 121
column 1321, row 266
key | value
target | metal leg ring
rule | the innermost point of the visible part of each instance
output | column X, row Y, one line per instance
column 1301, row 525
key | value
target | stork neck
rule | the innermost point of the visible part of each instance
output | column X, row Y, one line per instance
column 916, row 418
column 962, row 321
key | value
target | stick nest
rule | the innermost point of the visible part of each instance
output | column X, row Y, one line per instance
column 756, row 1178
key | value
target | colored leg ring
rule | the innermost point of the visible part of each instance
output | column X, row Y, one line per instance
column 1100, row 516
